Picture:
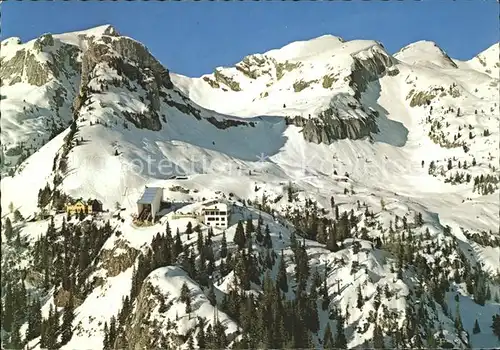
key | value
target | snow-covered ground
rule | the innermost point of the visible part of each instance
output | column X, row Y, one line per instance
column 114, row 160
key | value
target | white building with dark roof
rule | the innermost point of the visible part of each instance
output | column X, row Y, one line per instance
column 149, row 203
column 216, row 214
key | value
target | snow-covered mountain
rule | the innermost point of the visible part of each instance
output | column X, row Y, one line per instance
column 368, row 183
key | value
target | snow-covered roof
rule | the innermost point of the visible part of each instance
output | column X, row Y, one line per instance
column 215, row 205
column 149, row 195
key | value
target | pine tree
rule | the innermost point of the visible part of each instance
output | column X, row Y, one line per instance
column 340, row 339
column 34, row 320
column 268, row 243
column 113, row 332
column 68, row 316
column 105, row 342
column 17, row 216
column 328, row 338
column 189, row 229
column 223, row 245
column 281, row 279
column 51, row 327
column 8, row 229
column 378, row 338
column 249, row 228
column 239, row 236
column 15, row 336
column 9, row 308
column 178, row 244
column 185, row 296
column 360, row 300
column 211, row 295
column 476, row 328
column 258, row 234
column 290, row 192
column 458, row 319
column 190, row 342
column 331, row 243
column 495, row 325
column 188, row 306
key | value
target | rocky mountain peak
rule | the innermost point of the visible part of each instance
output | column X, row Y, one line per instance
column 425, row 52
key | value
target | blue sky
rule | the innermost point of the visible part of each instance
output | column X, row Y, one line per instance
column 193, row 38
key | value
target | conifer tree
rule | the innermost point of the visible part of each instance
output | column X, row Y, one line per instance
column 68, row 316
column 188, row 305
column 200, row 337
column 249, row 228
column 211, row 295
column 105, row 342
column 189, row 228
column 178, row 244
column 34, row 320
column 458, row 319
column 17, row 216
column 281, row 279
column 268, row 243
column 328, row 337
column 113, row 331
column 239, row 236
column 190, row 342
column 331, row 243
column 476, row 328
column 9, row 308
column 15, row 336
column 223, row 245
column 340, row 339
column 258, row 233
column 378, row 338
column 8, row 229
column 495, row 325
column 290, row 192
column 51, row 326
column 360, row 300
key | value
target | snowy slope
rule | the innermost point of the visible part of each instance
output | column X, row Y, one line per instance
column 263, row 84
column 487, row 61
column 137, row 124
column 40, row 79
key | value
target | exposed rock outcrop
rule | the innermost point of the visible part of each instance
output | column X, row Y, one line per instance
column 139, row 333
column 221, row 78
column 118, row 259
column 344, row 119
column 133, row 61
column 158, row 322
column 369, row 66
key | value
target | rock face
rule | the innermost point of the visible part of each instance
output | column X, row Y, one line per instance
column 60, row 63
column 133, row 63
column 120, row 258
column 344, row 119
column 51, row 67
column 159, row 320
column 138, row 334
column 369, row 66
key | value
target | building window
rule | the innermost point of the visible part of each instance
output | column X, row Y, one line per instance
column 222, row 213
